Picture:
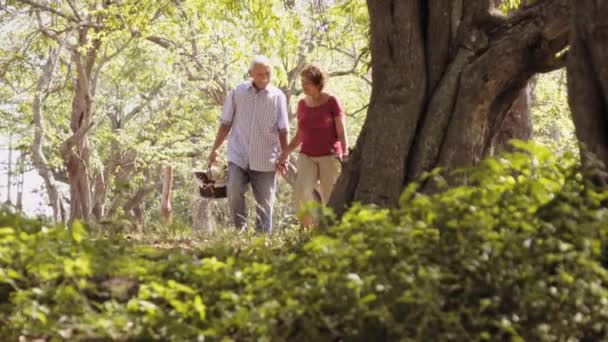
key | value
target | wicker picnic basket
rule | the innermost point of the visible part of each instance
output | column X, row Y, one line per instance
column 211, row 183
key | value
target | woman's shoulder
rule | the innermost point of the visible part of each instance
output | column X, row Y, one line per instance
column 334, row 101
column 302, row 108
column 302, row 103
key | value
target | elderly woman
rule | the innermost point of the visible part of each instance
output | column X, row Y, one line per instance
column 322, row 135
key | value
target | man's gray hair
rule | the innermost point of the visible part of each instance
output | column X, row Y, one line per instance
column 260, row 60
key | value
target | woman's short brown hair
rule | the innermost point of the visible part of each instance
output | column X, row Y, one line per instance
column 314, row 74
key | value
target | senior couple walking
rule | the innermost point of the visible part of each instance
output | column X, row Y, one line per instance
column 255, row 121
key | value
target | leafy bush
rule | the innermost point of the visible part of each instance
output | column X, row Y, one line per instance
column 519, row 253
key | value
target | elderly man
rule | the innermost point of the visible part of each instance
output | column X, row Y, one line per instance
column 255, row 116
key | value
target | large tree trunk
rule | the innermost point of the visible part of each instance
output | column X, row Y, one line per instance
column 444, row 72
column 588, row 78
column 38, row 158
column 75, row 150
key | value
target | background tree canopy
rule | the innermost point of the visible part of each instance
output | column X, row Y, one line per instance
column 102, row 95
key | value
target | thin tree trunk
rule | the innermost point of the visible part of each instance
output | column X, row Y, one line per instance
column 138, row 215
column 38, row 158
column 444, row 72
column 102, row 181
column 165, row 204
column 133, row 206
column 588, row 80
column 21, row 168
column 120, row 158
column 75, row 150
column 9, row 172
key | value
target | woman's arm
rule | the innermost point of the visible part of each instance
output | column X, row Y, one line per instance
column 295, row 142
column 284, row 156
column 342, row 136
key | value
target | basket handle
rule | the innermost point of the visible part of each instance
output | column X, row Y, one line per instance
column 209, row 174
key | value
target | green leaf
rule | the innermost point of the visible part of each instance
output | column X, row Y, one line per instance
column 78, row 231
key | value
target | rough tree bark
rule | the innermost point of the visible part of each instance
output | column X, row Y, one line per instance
column 588, row 78
column 517, row 123
column 443, row 71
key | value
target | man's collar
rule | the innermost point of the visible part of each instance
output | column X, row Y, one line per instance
column 252, row 87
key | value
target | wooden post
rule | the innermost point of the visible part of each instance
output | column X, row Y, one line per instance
column 166, row 210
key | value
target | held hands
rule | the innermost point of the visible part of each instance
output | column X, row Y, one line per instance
column 344, row 157
column 283, row 163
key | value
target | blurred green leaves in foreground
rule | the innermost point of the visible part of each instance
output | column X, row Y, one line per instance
column 518, row 253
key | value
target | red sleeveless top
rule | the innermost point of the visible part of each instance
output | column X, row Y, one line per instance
column 318, row 128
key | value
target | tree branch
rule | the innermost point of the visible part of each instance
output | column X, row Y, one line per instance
column 151, row 95
column 162, row 42
column 354, row 114
column 48, row 9
column 106, row 58
column 544, row 26
column 74, row 10
column 53, row 35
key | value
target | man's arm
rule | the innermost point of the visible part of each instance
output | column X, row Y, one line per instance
column 283, row 122
column 281, row 165
column 283, row 136
column 226, row 123
column 221, row 135
column 283, row 125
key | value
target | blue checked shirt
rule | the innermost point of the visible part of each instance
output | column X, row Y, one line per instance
column 256, row 118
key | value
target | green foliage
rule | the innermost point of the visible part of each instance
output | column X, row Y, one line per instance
column 551, row 115
column 517, row 254
column 509, row 5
